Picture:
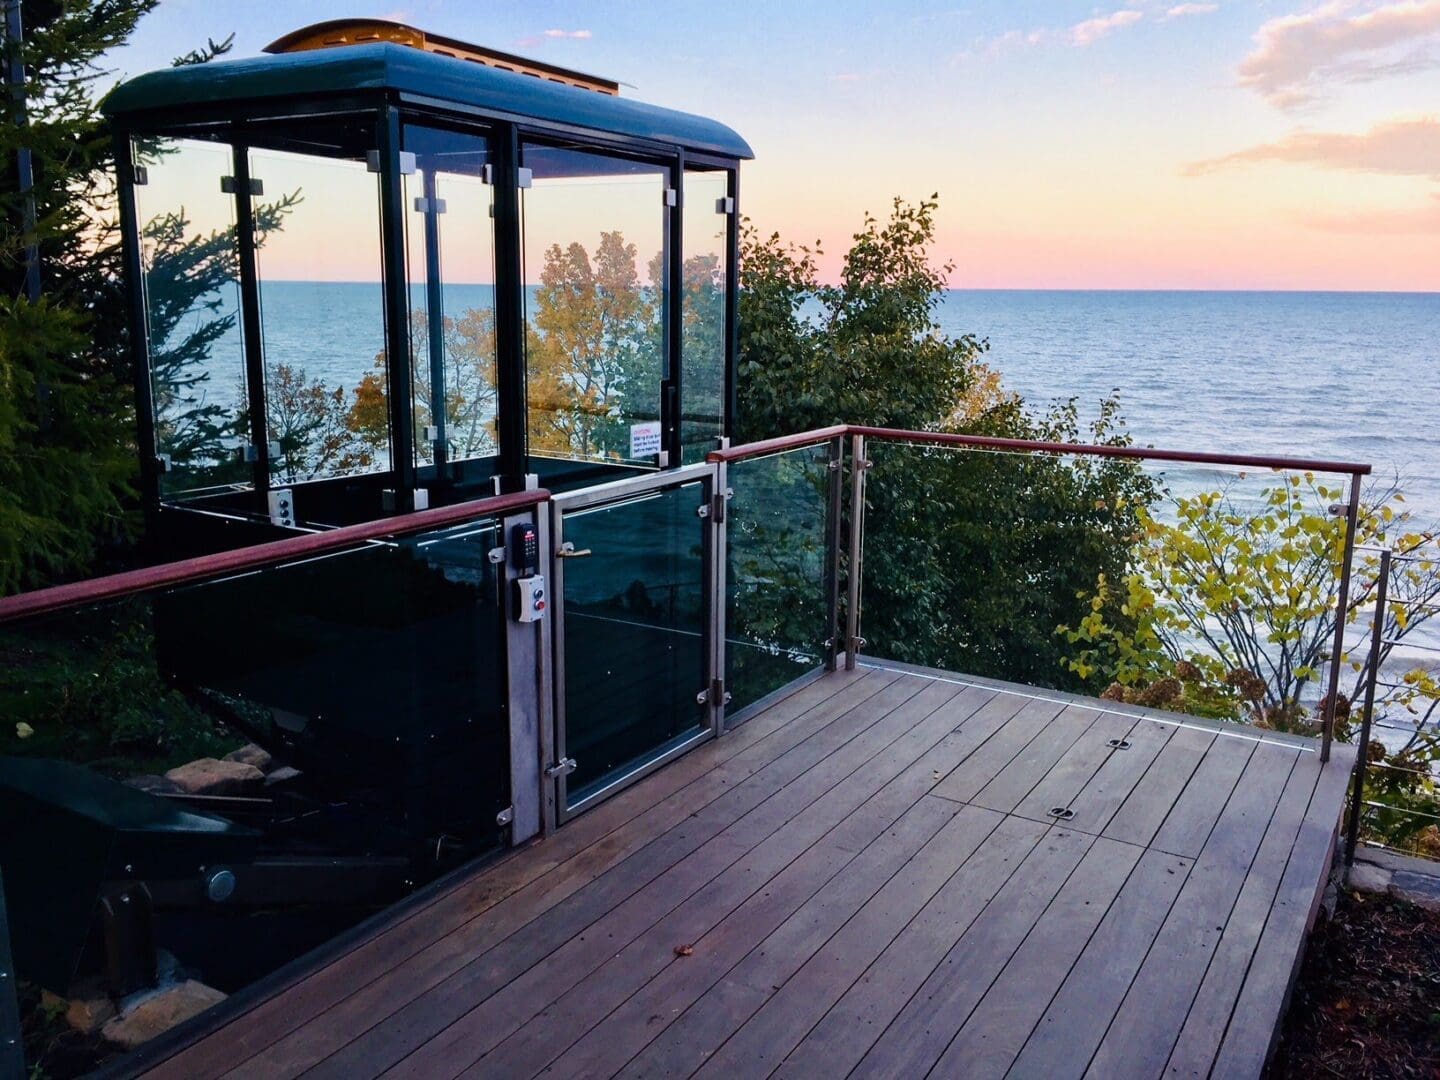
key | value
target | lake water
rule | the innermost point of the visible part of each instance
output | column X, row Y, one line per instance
column 1341, row 376
column 1348, row 376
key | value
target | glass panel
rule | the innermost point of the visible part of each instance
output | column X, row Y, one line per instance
column 702, row 313
column 776, row 608
column 192, row 310
column 634, row 633
column 385, row 753
column 323, row 301
column 450, row 235
column 1193, row 588
column 594, row 298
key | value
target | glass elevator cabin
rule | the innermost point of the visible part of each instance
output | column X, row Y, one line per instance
column 375, row 272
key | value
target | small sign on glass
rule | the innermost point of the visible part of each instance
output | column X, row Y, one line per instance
column 645, row 439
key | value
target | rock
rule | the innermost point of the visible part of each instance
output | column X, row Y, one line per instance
column 1423, row 890
column 1368, row 878
column 155, row 1013
column 283, row 775
column 88, row 1014
column 1329, row 899
column 250, row 754
column 156, row 785
column 207, row 776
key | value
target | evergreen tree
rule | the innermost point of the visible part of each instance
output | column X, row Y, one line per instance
column 66, row 452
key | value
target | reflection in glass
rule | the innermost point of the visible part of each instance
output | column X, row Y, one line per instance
column 777, row 610
column 594, row 296
column 192, row 305
column 702, row 313
column 634, row 633
column 450, row 239
column 387, row 696
column 324, row 318
column 386, row 753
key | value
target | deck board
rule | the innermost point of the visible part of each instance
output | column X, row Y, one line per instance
column 587, row 845
column 862, row 879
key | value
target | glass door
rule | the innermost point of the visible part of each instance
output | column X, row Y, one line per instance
column 633, row 632
column 595, row 251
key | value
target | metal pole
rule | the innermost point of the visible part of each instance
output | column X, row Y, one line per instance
column 834, row 507
column 510, row 406
column 138, row 330
column 554, row 741
column 435, row 323
column 858, row 467
column 672, row 320
column 716, row 571
column 397, row 309
column 24, row 165
column 251, row 336
column 1377, row 638
column 1342, row 606
column 730, row 408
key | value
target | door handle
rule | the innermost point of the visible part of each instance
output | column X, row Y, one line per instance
column 567, row 551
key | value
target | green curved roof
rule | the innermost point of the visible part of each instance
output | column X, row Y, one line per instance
column 408, row 70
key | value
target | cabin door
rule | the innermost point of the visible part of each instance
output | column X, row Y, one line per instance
column 634, row 630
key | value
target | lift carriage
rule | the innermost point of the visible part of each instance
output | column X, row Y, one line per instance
column 501, row 268
column 371, row 273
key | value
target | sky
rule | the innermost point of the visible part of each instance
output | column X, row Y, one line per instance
column 1155, row 144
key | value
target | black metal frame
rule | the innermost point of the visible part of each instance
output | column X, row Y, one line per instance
column 12, row 1039
column 250, row 333
column 505, row 131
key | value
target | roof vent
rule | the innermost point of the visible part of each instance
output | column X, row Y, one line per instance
column 341, row 32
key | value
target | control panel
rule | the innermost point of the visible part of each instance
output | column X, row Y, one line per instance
column 530, row 598
column 524, row 558
column 524, row 553
column 282, row 508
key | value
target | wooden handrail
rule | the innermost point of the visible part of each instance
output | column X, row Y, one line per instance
column 185, row 571
column 1027, row 446
column 779, row 444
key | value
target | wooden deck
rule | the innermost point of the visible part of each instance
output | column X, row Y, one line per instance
column 865, row 879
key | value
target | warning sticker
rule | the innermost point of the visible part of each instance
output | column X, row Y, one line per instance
column 645, row 439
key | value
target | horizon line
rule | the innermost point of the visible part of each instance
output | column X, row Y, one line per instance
column 959, row 288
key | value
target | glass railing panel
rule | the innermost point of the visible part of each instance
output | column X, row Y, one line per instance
column 1208, row 590
column 262, row 759
column 634, row 633
column 777, row 609
column 415, row 721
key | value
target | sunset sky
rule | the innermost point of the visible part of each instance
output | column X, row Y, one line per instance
column 1291, row 144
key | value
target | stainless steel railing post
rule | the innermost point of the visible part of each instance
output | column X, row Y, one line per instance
column 1362, row 762
column 1342, row 607
column 835, row 496
column 859, row 465
column 718, row 569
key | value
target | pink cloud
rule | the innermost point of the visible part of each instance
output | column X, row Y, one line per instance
column 1180, row 11
column 1296, row 55
column 1080, row 35
column 1092, row 30
column 1397, row 148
